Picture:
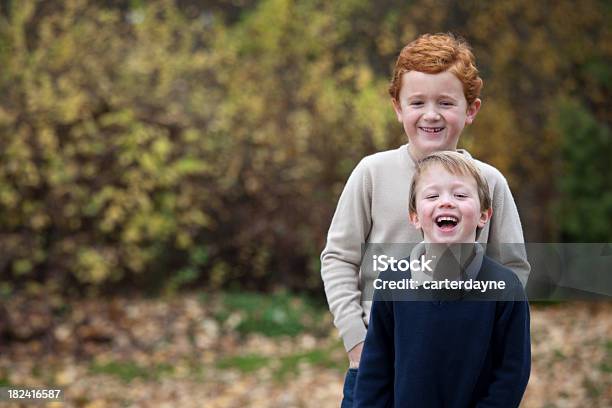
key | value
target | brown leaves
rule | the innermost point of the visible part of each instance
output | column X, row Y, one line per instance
column 177, row 352
column 571, row 355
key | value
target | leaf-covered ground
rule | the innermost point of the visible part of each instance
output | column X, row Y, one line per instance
column 246, row 350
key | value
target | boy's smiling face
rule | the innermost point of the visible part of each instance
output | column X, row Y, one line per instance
column 447, row 206
column 433, row 110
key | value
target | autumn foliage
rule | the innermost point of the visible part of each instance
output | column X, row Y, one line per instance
column 161, row 144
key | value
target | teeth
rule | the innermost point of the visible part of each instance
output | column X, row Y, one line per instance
column 432, row 130
column 452, row 219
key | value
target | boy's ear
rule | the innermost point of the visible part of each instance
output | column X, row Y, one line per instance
column 485, row 216
column 397, row 108
column 414, row 219
column 472, row 111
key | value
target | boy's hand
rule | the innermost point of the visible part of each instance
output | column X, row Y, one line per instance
column 354, row 355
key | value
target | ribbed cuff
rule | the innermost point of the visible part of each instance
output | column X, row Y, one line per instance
column 353, row 334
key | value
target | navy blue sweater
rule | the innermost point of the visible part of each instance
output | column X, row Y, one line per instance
column 448, row 353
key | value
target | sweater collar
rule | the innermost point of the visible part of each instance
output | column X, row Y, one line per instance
column 453, row 257
column 413, row 160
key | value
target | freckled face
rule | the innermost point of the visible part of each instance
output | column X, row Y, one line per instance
column 448, row 207
column 433, row 110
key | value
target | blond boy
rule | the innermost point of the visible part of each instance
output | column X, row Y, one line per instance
column 442, row 342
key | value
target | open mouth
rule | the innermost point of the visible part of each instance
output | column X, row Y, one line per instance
column 447, row 223
column 432, row 129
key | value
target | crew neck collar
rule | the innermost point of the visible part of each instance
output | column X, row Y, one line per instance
column 467, row 272
column 406, row 147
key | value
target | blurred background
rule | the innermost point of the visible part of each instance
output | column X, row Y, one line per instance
column 169, row 169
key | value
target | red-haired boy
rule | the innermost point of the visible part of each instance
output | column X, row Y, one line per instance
column 434, row 91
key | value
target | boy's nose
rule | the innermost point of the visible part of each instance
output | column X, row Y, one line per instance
column 446, row 202
column 432, row 115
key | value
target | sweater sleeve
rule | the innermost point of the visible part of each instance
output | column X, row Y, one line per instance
column 341, row 258
column 375, row 378
column 512, row 355
column 505, row 241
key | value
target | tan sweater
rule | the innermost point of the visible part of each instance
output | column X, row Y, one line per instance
column 373, row 208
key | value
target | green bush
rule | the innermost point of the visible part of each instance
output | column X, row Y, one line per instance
column 134, row 142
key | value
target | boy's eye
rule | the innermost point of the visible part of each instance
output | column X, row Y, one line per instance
column 446, row 103
column 461, row 195
column 416, row 103
column 431, row 196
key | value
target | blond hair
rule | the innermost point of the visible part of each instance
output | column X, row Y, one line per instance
column 454, row 163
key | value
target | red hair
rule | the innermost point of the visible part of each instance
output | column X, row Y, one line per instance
column 435, row 53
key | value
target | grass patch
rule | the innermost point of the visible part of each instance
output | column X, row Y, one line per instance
column 318, row 357
column 558, row 355
column 246, row 364
column 128, row 370
column 606, row 367
column 4, row 382
column 284, row 365
column 272, row 315
column 606, row 364
column 593, row 390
